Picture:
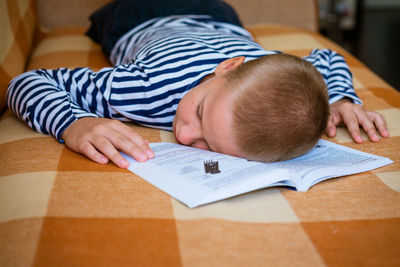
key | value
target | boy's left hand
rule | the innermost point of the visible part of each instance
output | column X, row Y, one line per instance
column 353, row 116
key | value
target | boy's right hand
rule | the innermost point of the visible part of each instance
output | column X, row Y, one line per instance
column 99, row 139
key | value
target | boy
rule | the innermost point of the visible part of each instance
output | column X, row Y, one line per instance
column 181, row 73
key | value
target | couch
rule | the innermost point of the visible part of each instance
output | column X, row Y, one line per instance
column 57, row 208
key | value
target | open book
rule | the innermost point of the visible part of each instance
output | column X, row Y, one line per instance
column 196, row 177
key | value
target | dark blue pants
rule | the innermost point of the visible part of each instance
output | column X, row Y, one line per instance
column 115, row 19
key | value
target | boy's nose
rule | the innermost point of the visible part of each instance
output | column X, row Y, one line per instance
column 193, row 139
column 189, row 135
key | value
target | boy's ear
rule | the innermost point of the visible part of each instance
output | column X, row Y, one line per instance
column 228, row 65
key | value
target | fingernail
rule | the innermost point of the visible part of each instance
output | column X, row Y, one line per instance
column 142, row 157
column 149, row 153
column 124, row 163
column 103, row 160
column 385, row 133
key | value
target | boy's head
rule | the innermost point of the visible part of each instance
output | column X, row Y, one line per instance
column 281, row 108
column 268, row 109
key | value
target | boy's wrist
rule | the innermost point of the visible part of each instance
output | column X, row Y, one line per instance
column 66, row 132
column 346, row 99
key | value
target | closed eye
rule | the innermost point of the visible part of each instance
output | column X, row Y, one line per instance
column 198, row 111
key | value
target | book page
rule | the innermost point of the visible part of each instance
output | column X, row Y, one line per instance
column 190, row 162
column 187, row 168
column 197, row 177
column 327, row 160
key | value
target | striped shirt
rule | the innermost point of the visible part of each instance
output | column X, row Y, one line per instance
column 156, row 64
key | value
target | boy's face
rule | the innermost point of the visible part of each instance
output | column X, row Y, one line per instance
column 204, row 117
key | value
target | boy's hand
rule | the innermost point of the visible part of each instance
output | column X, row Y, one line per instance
column 353, row 116
column 99, row 139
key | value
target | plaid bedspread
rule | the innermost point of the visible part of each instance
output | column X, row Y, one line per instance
column 57, row 208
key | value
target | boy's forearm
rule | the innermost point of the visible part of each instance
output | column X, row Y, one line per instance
column 39, row 99
column 340, row 80
column 336, row 74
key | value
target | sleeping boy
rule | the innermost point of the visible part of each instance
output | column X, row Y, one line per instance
column 196, row 71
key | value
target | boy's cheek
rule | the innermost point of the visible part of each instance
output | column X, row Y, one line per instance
column 174, row 129
column 201, row 145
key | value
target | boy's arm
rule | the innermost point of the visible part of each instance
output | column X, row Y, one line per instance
column 336, row 74
column 44, row 100
column 52, row 102
column 346, row 106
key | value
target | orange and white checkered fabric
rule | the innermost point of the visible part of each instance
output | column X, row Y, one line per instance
column 57, row 208
column 17, row 24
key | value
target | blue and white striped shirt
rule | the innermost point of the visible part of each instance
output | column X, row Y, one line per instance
column 156, row 63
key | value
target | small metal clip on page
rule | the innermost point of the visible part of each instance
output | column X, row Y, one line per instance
column 211, row 166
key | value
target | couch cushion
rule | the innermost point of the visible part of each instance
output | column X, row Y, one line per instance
column 17, row 24
column 67, row 47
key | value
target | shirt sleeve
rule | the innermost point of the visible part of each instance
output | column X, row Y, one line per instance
column 49, row 101
column 336, row 74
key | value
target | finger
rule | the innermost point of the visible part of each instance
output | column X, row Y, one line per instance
column 368, row 126
column 127, row 146
column 141, row 143
column 136, row 139
column 336, row 118
column 379, row 122
column 92, row 153
column 107, row 148
column 353, row 127
column 149, row 152
column 331, row 128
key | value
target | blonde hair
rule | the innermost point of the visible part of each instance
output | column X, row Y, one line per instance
column 280, row 107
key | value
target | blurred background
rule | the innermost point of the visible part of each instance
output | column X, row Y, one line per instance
column 369, row 29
